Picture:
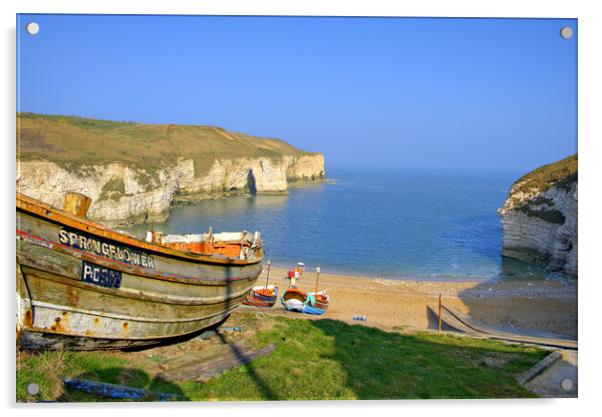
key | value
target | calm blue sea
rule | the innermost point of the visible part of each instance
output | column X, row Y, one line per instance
column 386, row 224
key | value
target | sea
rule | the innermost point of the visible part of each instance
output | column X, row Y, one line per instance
column 403, row 224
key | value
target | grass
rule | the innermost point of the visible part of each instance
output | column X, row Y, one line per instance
column 75, row 142
column 113, row 189
column 321, row 359
column 562, row 173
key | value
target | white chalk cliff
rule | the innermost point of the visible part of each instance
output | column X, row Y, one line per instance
column 124, row 195
column 540, row 223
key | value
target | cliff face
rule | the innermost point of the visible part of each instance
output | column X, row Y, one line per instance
column 539, row 218
column 251, row 175
column 135, row 172
column 124, row 195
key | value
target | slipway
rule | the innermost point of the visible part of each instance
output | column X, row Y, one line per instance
column 466, row 324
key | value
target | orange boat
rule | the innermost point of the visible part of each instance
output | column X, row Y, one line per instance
column 262, row 296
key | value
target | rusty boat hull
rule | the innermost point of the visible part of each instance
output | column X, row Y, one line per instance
column 82, row 286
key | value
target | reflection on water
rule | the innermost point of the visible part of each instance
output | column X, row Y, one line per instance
column 367, row 223
column 234, row 213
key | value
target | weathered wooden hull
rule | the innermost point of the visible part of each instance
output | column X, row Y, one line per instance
column 80, row 286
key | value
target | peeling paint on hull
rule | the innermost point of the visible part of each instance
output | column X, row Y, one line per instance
column 74, row 298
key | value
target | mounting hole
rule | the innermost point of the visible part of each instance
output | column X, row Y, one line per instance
column 566, row 32
column 33, row 389
column 566, row 384
column 32, row 28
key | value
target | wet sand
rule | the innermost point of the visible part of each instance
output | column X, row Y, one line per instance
column 548, row 305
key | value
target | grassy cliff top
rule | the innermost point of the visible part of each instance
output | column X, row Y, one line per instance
column 560, row 173
column 75, row 141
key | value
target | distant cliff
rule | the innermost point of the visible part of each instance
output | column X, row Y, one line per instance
column 539, row 217
column 135, row 172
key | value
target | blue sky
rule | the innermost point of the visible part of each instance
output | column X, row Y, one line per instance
column 394, row 93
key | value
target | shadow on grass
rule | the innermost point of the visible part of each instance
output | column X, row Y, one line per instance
column 381, row 365
column 261, row 383
column 322, row 360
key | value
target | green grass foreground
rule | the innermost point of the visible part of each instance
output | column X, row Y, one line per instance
column 321, row 360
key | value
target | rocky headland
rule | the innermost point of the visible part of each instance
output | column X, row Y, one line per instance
column 136, row 172
column 539, row 217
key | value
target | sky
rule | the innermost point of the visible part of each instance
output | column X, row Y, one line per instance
column 386, row 93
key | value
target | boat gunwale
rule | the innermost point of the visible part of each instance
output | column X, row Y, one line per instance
column 269, row 299
column 273, row 294
column 139, row 271
column 57, row 216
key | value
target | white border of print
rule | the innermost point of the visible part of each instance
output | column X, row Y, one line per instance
column 590, row 71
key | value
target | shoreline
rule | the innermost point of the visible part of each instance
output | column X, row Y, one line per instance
column 277, row 265
column 548, row 305
column 522, row 276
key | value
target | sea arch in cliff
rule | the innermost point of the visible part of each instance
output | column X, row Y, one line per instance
column 251, row 182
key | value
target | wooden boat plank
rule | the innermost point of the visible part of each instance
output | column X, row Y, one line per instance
column 133, row 286
column 89, row 299
column 225, row 358
column 207, row 353
column 88, row 325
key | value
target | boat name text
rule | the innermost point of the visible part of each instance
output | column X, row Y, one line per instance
column 109, row 250
column 99, row 275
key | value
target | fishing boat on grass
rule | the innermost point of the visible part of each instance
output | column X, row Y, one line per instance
column 263, row 295
column 315, row 303
column 83, row 286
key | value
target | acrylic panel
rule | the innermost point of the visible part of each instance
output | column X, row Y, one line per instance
column 295, row 208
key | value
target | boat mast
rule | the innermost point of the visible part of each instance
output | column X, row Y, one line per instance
column 317, row 278
column 268, row 277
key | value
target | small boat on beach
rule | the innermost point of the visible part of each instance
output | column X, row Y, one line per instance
column 262, row 297
column 305, row 302
column 83, row 286
column 315, row 302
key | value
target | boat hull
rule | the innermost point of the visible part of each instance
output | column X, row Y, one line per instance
column 78, row 288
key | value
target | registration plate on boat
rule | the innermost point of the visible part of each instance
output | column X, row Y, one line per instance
column 99, row 275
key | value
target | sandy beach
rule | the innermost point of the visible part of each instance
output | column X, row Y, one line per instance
column 531, row 304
